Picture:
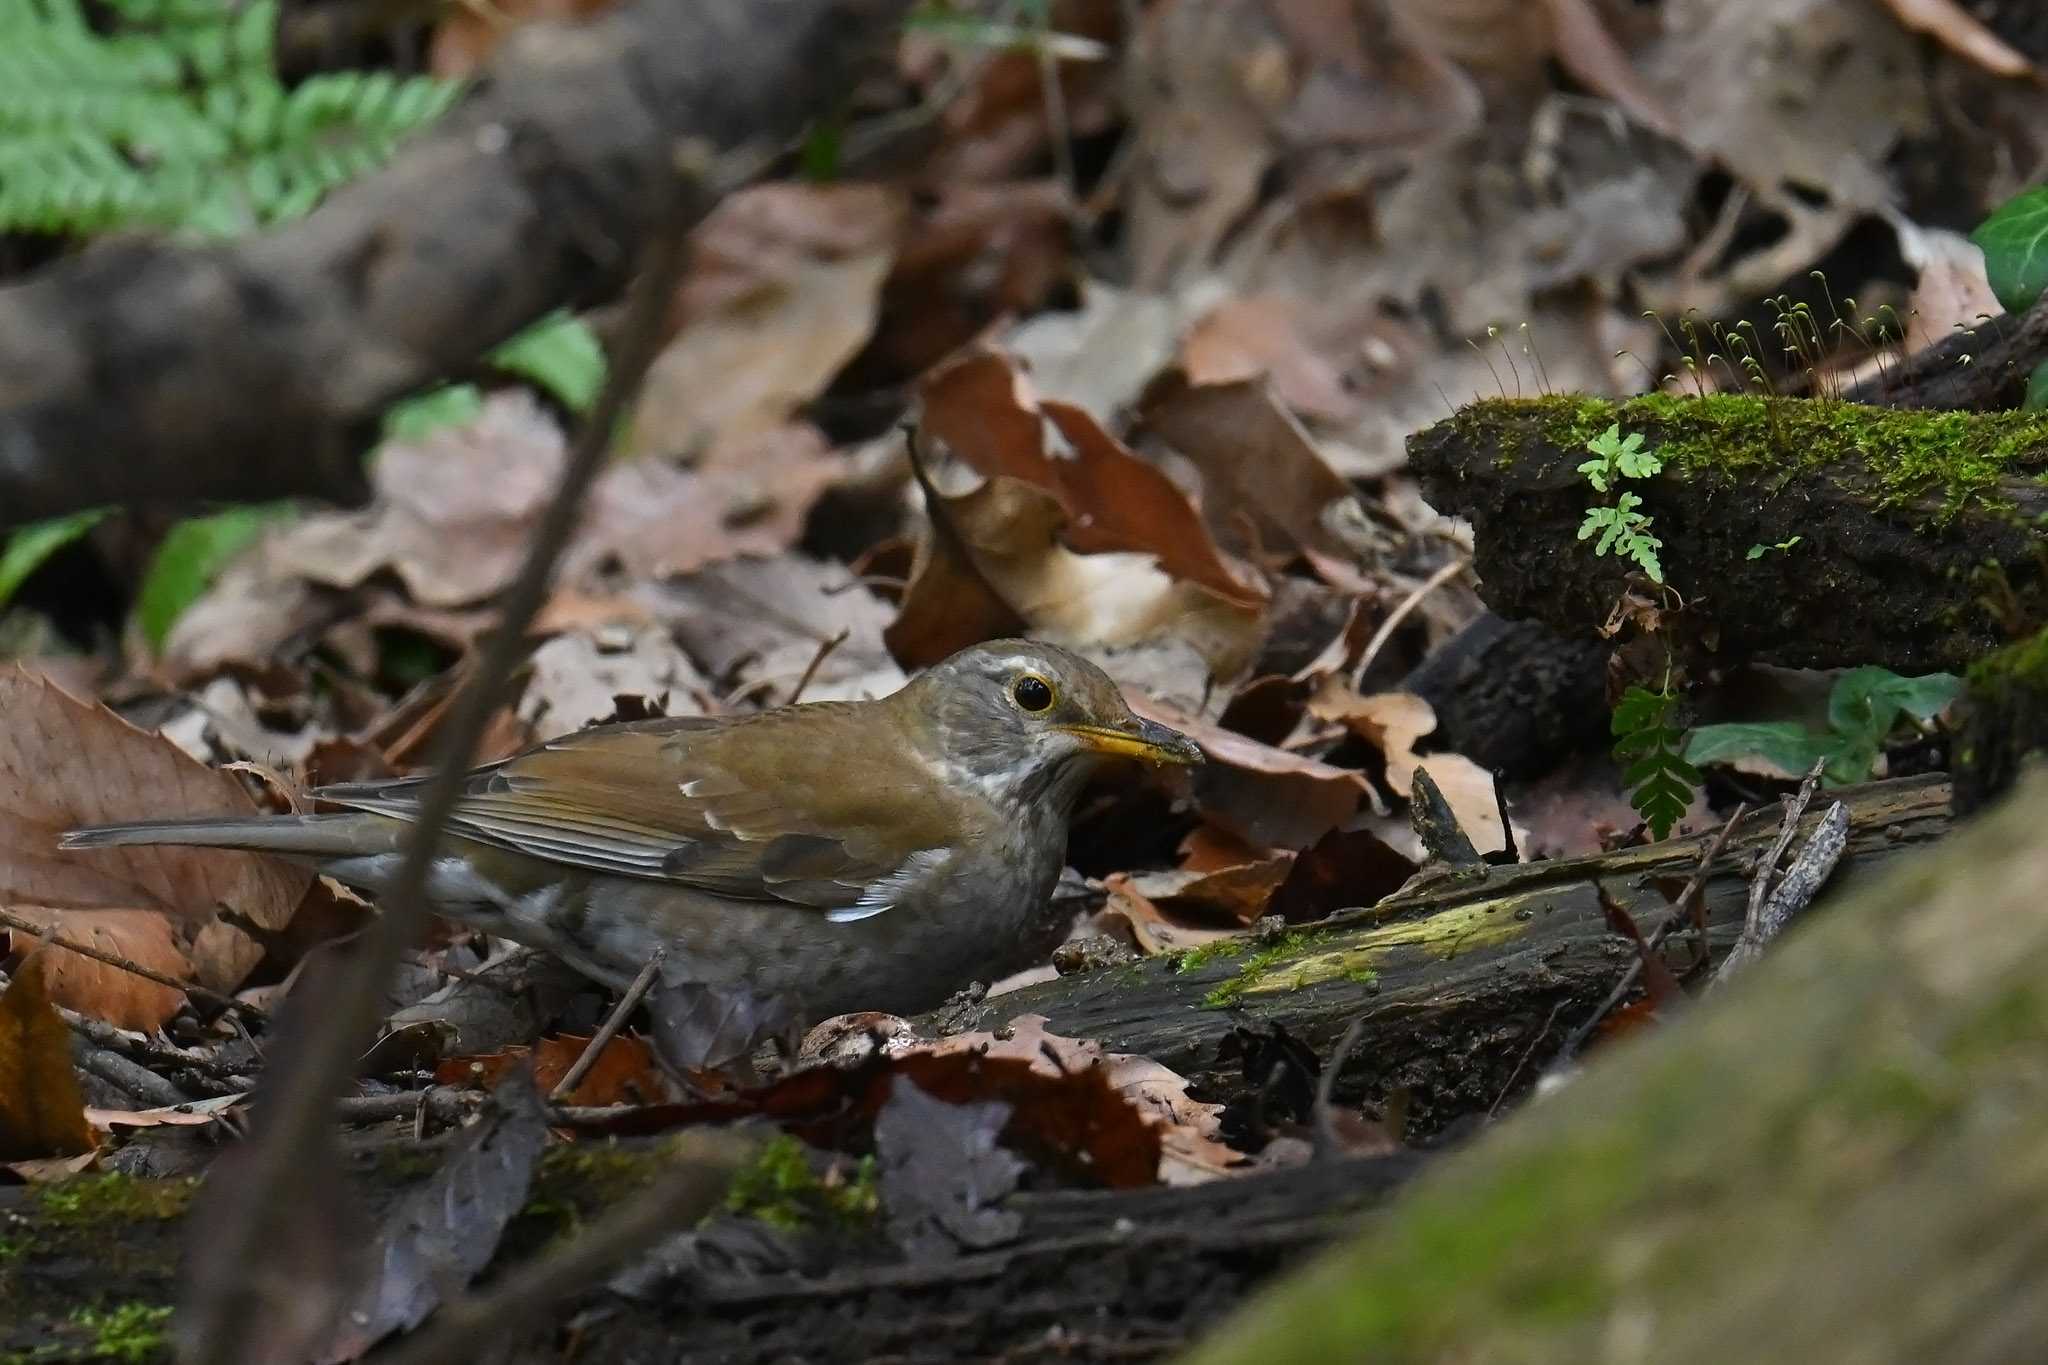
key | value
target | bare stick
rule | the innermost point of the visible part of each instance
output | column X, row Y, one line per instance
column 305, row 1100
column 609, row 1029
column 192, row 988
column 1400, row 614
column 1793, row 893
column 1327, row 1143
column 527, row 1293
column 1680, row 913
column 825, row 648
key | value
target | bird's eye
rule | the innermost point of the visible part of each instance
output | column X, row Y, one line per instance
column 1032, row 692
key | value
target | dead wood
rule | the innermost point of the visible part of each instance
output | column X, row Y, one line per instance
column 1837, row 1159
column 1462, row 985
column 141, row 370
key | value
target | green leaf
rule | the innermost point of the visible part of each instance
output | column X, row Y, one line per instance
column 560, row 354
column 449, row 405
column 191, row 556
column 28, row 547
column 2014, row 240
column 818, row 162
column 1596, row 474
column 1786, row 745
column 1867, row 702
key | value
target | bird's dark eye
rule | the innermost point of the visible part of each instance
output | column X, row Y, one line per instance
column 1032, row 692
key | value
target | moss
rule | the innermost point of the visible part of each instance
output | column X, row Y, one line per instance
column 1189, row 959
column 2023, row 666
column 94, row 1198
column 1955, row 459
column 781, row 1188
column 127, row 1332
column 1254, row 970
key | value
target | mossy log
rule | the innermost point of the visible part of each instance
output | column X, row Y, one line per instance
column 2004, row 719
column 1466, row 989
column 1909, row 539
column 1839, row 1158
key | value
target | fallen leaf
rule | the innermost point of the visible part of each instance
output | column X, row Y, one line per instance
column 1268, row 797
column 1254, row 455
column 147, row 938
column 42, row 1111
column 466, row 37
column 784, row 291
column 1259, row 337
column 441, row 1236
column 987, row 412
column 577, row 680
column 624, row 1073
column 1342, row 870
column 942, row 1174
column 64, row 764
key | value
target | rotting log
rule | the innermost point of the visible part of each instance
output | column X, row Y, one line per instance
column 2004, row 721
column 1839, row 1158
column 1910, row 539
column 144, row 370
column 1466, row 989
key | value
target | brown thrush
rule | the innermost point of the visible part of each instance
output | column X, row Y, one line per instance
column 841, row 855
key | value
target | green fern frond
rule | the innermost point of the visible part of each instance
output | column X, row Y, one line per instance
column 177, row 119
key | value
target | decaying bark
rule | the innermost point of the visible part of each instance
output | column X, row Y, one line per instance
column 1467, row 989
column 1878, row 537
column 1839, row 1158
column 141, row 370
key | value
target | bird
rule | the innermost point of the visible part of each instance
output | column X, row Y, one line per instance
column 838, row 856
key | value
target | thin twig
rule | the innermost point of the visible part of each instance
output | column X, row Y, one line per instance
column 1793, row 893
column 529, row 1292
column 1327, row 1143
column 825, row 648
column 11, row 920
column 1399, row 614
column 1680, row 913
column 1508, row 1087
column 305, row 1101
column 609, row 1029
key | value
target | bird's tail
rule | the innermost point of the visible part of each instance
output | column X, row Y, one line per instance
column 304, row 836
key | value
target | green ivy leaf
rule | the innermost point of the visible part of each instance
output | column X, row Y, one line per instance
column 28, row 547
column 2014, row 240
column 2037, row 388
column 560, row 354
column 191, row 556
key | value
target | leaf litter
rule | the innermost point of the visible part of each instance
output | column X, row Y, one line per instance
column 1162, row 404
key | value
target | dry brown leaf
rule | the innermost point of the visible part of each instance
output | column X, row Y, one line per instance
column 453, row 510
column 624, row 1073
column 42, row 1110
column 1151, row 929
column 785, row 291
column 121, row 998
column 987, row 412
column 575, row 680
column 1265, row 796
column 1394, row 722
column 1002, row 552
column 1955, row 29
column 758, row 624
column 1260, row 337
column 468, row 34
column 1952, row 291
column 65, row 764
column 1254, row 456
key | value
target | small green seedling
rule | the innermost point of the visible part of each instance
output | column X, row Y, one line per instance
column 1623, row 530
column 1759, row 551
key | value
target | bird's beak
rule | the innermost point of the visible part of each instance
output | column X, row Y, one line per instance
column 1136, row 738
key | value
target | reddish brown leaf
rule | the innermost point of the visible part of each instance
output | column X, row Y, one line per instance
column 624, row 1073
column 986, row 411
column 65, row 764
column 1344, row 868
column 42, row 1112
column 1265, row 796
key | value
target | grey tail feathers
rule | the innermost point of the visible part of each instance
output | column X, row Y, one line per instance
column 306, row 836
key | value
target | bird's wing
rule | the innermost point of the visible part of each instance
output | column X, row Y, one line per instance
column 668, row 800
